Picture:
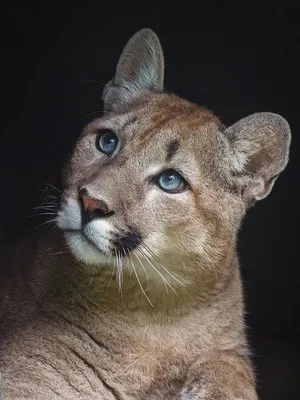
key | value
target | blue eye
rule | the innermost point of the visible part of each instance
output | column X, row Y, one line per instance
column 171, row 181
column 106, row 141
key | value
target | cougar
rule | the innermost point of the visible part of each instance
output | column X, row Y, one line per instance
column 137, row 294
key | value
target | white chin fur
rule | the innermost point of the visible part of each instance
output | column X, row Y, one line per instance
column 83, row 250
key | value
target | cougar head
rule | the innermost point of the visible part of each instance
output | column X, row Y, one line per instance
column 160, row 178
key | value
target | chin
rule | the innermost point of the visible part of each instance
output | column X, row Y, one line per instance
column 84, row 251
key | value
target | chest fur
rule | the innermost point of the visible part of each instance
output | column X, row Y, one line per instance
column 96, row 354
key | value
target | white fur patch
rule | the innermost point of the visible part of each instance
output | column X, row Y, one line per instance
column 83, row 250
column 193, row 393
column 97, row 232
column 69, row 216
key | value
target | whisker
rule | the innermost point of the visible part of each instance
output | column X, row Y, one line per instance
column 38, row 226
column 42, row 214
column 109, row 259
column 92, row 276
column 54, row 227
column 139, row 282
column 177, row 280
column 49, row 184
column 64, row 249
column 184, row 266
column 121, row 276
column 59, row 252
column 155, row 257
column 119, row 271
column 142, row 265
column 122, row 263
column 153, row 266
column 112, row 274
column 48, row 206
column 50, row 195
column 150, row 252
column 92, row 81
column 92, row 113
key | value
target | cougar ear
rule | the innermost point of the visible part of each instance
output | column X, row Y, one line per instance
column 140, row 68
column 260, row 145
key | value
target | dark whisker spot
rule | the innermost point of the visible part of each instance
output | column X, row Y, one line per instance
column 126, row 242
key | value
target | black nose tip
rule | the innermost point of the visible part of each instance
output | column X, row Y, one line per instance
column 92, row 208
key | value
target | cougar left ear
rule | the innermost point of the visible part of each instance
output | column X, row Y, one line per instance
column 140, row 68
column 260, row 147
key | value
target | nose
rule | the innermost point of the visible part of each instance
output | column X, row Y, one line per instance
column 92, row 208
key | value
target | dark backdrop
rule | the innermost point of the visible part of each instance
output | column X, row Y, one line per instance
column 236, row 61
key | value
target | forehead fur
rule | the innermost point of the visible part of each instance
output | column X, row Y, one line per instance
column 158, row 108
column 165, row 126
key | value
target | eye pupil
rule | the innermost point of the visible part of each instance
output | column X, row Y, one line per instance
column 106, row 141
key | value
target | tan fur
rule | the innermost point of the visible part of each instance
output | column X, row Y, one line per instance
column 166, row 321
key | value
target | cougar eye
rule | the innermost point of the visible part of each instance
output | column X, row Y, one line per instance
column 171, row 181
column 106, row 141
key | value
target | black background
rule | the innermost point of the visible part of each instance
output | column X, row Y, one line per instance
column 55, row 59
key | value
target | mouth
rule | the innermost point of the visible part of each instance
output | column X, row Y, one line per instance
column 98, row 238
column 120, row 244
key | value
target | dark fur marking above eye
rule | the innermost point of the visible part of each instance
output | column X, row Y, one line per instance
column 129, row 122
column 172, row 148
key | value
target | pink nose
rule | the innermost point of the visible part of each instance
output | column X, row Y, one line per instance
column 91, row 204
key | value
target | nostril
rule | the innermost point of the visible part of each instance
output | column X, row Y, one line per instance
column 90, row 204
column 93, row 208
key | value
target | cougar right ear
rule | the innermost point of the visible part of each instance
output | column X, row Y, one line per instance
column 260, row 146
column 140, row 68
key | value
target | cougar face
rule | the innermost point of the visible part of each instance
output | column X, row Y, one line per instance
column 161, row 177
column 153, row 190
